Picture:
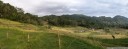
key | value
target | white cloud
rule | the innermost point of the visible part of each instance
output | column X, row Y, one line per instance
column 88, row 7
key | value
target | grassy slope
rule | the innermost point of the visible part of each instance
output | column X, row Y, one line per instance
column 4, row 23
column 42, row 38
column 18, row 38
column 114, row 42
column 99, row 37
column 39, row 40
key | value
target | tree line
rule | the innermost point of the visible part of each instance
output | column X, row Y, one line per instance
column 87, row 21
column 17, row 14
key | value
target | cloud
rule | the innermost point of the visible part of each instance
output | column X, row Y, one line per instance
column 87, row 7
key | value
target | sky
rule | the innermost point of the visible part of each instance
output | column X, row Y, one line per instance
column 108, row 8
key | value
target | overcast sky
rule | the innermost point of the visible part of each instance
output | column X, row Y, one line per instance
column 87, row 7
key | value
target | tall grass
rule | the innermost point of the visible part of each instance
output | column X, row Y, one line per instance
column 115, row 42
column 39, row 40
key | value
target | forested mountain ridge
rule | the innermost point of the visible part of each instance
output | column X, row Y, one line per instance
column 87, row 21
column 17, row 14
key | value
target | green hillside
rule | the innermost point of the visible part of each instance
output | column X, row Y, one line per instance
column 4, row 23
column 15, row 37
column 20, row 30
column 40, row 37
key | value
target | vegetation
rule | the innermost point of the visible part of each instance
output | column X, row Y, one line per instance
column 45, row 39
column 19, row 30
column 17, row 14
column 39, row 40
column 14, row 37
column 87, row 21
column 114, row 42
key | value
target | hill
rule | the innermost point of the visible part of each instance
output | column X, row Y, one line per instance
column 4, row 23
column 20, row 30
column 13, row 35
column 87, row 21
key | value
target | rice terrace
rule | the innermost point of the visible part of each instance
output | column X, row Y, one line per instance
column 63, row 25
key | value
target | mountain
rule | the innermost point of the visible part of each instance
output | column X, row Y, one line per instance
column 87, row 21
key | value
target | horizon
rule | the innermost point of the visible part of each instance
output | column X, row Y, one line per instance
column 110, row 8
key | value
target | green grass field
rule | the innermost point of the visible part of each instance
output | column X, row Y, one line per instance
column 114, row 42
column 15, row 35
column 39, row 40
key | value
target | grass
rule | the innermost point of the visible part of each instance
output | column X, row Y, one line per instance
column 115, row 42
column 43, row 38
column 39, row 40
column 4, row 23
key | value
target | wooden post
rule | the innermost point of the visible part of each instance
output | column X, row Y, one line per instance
column 28, row 37
column 59, row 42
column 8, row 30
column 7, row 35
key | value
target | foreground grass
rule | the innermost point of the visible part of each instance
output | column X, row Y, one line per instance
column 115, row 42
column 14, row 35
column 39, row 40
